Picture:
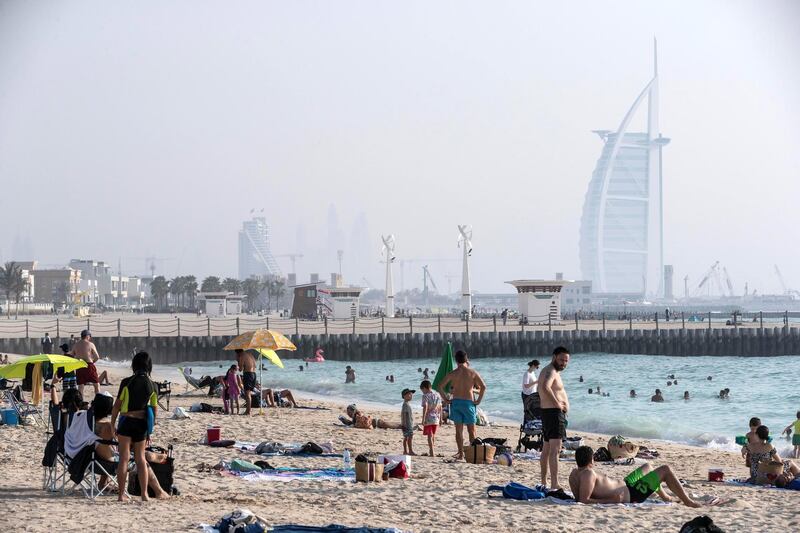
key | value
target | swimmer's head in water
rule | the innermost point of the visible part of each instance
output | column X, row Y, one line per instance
column 560, row 358
column 461, row 357
column 591, row 391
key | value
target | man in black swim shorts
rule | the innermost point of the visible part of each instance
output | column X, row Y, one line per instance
column 555, row 406
column 248, row 365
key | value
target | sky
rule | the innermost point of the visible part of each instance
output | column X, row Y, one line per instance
column 135, row 129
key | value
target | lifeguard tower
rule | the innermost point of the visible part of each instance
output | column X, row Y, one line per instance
column 539, row 299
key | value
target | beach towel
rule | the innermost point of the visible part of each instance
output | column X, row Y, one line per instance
column 647, row 503
column 333, row 528
column 515, row 491
column 299, row 474
column 742, row 482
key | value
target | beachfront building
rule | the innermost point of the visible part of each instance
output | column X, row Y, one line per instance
column 58, row 286
column 28, row 268
column 576, row 295
column 539, row 300
column 255, row 255
column 340, row 302
column 621, row 234
column 306, row 300
column 95, row 279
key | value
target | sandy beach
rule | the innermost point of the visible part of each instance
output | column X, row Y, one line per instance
column 439, row 496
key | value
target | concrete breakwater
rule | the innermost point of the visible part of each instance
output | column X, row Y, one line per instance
column 379, row 347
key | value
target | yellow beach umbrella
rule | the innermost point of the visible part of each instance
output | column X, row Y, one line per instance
column 271, row 355
column 17, row 369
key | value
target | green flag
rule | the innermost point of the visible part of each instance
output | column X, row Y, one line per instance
column 447, row 365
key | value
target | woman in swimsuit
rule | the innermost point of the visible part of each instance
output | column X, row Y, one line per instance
column 136, row 406
column 762, row 451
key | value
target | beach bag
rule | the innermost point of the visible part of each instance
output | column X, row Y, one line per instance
column 573, row 443
column 369, row 471
column 770, row 469
column 164, row 472
column 619, row 448
column 312, row 448
column 479, row 454
column 601, row 455
column 397, row 470
column 515, row 491
column 205, row 408
column 241, row 521
column 700, row 524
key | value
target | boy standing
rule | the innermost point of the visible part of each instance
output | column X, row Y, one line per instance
column 796, row 437
column 431, row 413
column 407, row 422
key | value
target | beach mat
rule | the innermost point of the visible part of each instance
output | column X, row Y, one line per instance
column 744, row 483
column 299, row 474
column 333, row 528
column 647, row 503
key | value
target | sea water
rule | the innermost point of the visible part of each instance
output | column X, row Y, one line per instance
column 767, row 387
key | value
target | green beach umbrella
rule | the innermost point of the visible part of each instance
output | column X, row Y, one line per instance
column 447, row 365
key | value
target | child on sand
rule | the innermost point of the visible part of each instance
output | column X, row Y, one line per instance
column 750, row 437
column 407, row 421
column 796, row 437
column 233, row 388
column 431, row 413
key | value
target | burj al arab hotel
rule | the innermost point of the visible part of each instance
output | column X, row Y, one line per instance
column 621, row 235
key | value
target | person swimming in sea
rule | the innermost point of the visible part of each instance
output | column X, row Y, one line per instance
column 633, row 393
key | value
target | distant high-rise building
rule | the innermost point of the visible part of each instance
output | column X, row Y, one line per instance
column 255, row 256
column 668, row 273
column 621, row 236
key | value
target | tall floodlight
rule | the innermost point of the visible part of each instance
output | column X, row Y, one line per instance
column 388, row 251
column 465, row 242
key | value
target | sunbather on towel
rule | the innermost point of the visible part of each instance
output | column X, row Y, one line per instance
column 278, row 398
column 359, row 420
column 590, row 487
column 789, row 479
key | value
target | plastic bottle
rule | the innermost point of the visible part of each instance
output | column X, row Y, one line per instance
column 346, row 459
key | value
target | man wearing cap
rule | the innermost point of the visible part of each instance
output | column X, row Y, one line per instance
column 407, row 421
column 530, row 396
column 85, row 350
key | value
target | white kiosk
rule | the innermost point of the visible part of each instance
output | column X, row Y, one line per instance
column 221, row 304
column 539, row 300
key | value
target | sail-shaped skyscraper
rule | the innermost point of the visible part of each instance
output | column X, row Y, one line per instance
column 621, row 235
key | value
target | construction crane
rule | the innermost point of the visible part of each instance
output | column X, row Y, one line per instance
column 728, row 281
column 712, row 272
column 786, row 290
column 418, row 260
column 293, row 258
column 426, row 277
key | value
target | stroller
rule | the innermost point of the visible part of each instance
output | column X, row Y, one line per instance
column 530, row 431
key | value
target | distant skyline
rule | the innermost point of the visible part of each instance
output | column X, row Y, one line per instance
column 152, row 129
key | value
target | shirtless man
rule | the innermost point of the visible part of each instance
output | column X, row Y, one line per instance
column 463, row 411
column 590, row 487
column 247, row 363
column 85, row 350
column 555, row 406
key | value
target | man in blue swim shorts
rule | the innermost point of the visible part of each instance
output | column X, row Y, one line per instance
column 460, row 383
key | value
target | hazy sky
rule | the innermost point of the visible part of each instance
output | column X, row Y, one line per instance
column 138, row 128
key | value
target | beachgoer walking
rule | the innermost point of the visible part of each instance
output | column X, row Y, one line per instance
column 407, row 421
column 247, row 364
column 463, row 404
column 85, row 350
column 349, row 375
column 555, row 406
column 47, row 344
column 431, row 413
column 530, row 395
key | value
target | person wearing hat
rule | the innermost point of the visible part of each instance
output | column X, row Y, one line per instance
column 407, row 421
column 530, row 395
column 69, row 378
column 85, row 350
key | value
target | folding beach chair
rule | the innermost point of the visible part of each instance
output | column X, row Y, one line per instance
column 164, row 393
column 16, row 399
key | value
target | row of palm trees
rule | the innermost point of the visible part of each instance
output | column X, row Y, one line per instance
column 12, row 284
column 183, row 290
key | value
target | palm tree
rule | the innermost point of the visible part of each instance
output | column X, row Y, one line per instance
column 190, row 288
column 251, row 287
column 211, row 284
column 159, row 288
column 176, row 289
column 12, row 283
column 279, row 290
column 232, row 285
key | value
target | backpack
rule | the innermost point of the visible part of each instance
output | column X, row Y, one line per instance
column 515, row 491
column 700, row 524
column 601, row 455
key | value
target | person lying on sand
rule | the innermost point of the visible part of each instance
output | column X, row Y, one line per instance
column 590, row 487
column 790, row 479
column 278, row 397
column 359, row 420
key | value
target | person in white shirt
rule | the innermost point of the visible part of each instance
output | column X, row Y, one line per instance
column 530, row 395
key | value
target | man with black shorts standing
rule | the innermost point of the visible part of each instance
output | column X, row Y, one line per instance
column 247, row 363
column 555, row 406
